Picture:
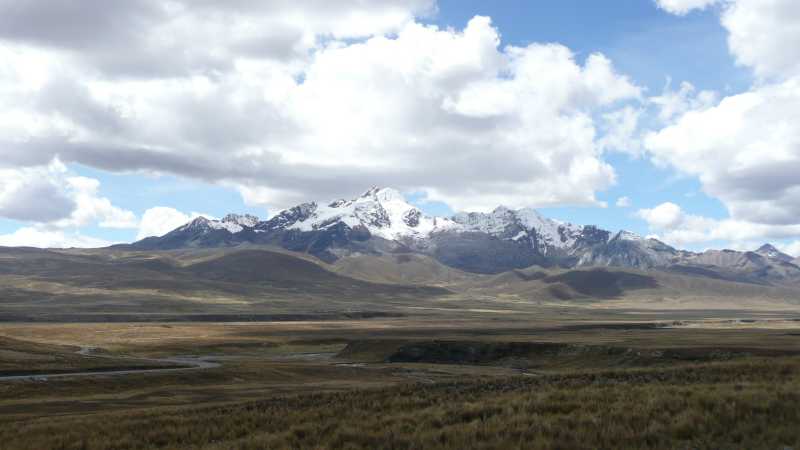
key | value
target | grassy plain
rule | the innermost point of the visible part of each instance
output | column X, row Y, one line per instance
column 745, row 404
column 278, row 350
column 479, row 380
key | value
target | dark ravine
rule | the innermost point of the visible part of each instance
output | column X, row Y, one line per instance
column 539, row 354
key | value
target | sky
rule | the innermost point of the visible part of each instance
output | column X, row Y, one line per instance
column 676, row 119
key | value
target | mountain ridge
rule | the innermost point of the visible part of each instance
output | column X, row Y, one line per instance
column 381, row 221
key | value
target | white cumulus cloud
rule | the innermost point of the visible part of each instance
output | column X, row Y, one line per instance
column 672, row 103
column 34, row 194
column 664, row 216
column 51, row 195
column 744, row 148
column 160, row 220
column 745, row 151
column 676, row 227
column 763, row 34
column 682, row 7
column 791, row 248
column 91, row 208
column 365, row 95
column 49, row 238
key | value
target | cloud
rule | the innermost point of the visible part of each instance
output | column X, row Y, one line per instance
column 672, row 103
column 792, row 249
column 678, row 228
column 90, row 208
column 745, row 151
column 762, row 34
column 745, row 147
column 622, row 133
column 422, row 108
column 683, row 7
column 33, row 194
column 160, row 220
column 664, row 216
column 56, row 204
column 623, row 202
column 50, row 195
column 34, row 237
column 155, row 38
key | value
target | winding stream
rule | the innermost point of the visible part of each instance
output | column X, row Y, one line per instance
column 186, row 363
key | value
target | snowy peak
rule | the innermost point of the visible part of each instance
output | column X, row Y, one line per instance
column 769, row 251
column 385, row 195
column 288, row 217
column 644, row 242
column 385, row 213
column 624, row 235
column 554, row 233
column 244, row 220
column 233, row 223
column 382, row 211
column 501, row 240
column 522, row 223
column 198, row 224
column 493, row 223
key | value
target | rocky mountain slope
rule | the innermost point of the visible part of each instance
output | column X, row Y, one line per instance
column 382, row 222
column 769, row 251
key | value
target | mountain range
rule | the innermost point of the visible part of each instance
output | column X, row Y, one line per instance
column 382, row 222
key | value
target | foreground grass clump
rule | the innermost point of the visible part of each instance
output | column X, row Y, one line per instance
column 746, row 404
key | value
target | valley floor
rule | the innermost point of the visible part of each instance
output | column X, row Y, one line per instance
column 488, row 380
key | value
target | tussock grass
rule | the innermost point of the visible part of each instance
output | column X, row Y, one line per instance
column 751, row 404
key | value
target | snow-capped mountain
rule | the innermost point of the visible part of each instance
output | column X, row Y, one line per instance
column 628, row 249
column 769, row 251
column 240, row 220
column 233, row 223
column 527, row 224
column 384, row 213
column 202, row 232
column 382, row 221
